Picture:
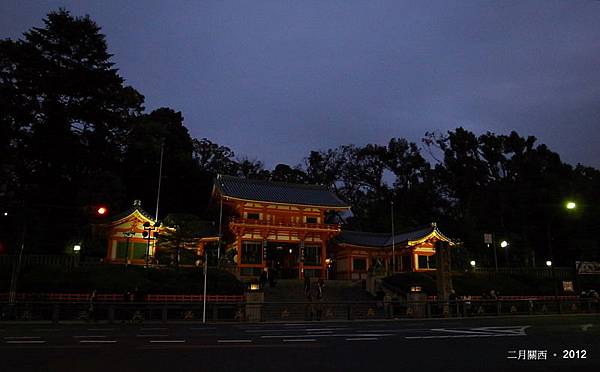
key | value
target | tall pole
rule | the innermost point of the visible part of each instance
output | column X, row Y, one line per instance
column 393, row 241
column 220, row 230
column 204, row 294
column 16, row 270
column 162, row 149
column 495, row 256
column 549, row 237
column 148, row 248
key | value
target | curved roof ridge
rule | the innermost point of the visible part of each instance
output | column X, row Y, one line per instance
column 278, row 183
column 278, row 192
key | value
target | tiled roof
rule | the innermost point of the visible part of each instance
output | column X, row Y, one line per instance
column 278, row 192
column 137, row 205
column 363, row 238
column 380, row 240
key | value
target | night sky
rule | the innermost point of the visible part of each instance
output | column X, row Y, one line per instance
column 275, row 79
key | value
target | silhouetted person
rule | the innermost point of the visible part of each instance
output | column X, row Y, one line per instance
column 307, row 286
column 263, row 279
column 272, row 278
column 91, row 309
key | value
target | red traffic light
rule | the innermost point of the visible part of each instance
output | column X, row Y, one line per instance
column 102, row 211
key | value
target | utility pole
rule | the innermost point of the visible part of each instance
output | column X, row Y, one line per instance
column 162, row 149
column 220, row 230
column 16, row 270
column 393, row 241
column 204, row 294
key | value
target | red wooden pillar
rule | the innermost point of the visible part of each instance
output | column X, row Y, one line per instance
column 301, row 260
column 323, row 258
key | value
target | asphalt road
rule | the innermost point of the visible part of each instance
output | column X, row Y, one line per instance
column 491, row 344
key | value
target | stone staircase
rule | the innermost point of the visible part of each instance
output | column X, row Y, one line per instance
column 342, row 299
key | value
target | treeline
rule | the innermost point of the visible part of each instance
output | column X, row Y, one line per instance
column 73, row 135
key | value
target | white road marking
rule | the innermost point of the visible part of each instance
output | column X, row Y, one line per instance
column 21, row 337
column 362, row 339
column 331, row 335
column 97, row 341
column 101, row 329
column 326, row 329
column 585, row 327
column 167, row 341
column 490, row 331
column 462, row 336
column 300, row 340
column 232, row 341
column 152, row 335
column 26, row 342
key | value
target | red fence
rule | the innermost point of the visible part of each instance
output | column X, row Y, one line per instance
column 78, row 297
column 512, row 298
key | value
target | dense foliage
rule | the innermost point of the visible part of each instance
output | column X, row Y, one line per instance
column 74, row 136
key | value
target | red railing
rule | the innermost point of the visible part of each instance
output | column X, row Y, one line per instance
column 194, row 298
column 515, row 298
column 79, row 297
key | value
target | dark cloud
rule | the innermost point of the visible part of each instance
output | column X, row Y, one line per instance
column 275, row 79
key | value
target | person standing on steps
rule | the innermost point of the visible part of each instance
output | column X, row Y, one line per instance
column 320, row 285
column 306, row 285
column 263, row 279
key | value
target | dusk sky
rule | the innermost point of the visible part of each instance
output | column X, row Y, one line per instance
column 275, row 79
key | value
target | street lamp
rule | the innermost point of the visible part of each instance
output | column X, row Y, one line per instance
column 549, row 263
column 128, row 235
column 472, row 263
column 328, row 262
column 147, row 234
column 76, row 248
column 571, row 205
column 504, row 244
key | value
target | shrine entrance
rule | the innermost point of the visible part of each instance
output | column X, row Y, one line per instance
column 283, row 260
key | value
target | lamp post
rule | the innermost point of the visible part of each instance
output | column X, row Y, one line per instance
column 128, row 235
column 393, row 241
column 147, row 234
column 204, row 286
column 570, row 206
column 504, row 244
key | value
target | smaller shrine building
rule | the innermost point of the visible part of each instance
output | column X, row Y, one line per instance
column 355, row 253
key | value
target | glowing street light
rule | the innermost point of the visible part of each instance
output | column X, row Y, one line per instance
column 102, row 211
column 76, row 248
column 504, row 244
column 571, row 205
column 473, row 263
column 549, row 263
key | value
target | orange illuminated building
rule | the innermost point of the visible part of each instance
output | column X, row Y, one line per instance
column 126, row 240
column 279, row 227
column 287, row 229
column 356, row 252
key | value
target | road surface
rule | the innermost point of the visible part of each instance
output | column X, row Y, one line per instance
column 545, row 343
